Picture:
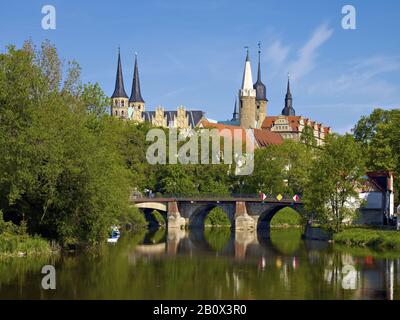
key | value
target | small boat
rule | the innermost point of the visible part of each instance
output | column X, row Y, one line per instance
column 115, row 234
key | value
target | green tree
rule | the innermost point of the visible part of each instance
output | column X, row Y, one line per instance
column 379, row 134
column 61, row 167
column 336, row 175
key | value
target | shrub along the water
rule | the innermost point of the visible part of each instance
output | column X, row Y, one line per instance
column 286, row 217
column 217, row 218
column 15, row 241
column 368, row 237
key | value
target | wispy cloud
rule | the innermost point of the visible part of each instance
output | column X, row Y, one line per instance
column 363, row 78
column 277, row 53
column 309, row 52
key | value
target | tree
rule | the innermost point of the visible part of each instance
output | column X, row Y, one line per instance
column 338, row 170
column 61, row 167
column 307, row 136
column 379, row 133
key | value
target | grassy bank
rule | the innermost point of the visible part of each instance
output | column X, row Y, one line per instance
column 12, row 245
column 368, row 237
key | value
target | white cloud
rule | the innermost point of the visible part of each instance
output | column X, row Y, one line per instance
column 277, row 53
column 308, row 53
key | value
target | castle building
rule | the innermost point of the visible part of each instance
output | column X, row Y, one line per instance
column 134, row 108
column 253, row 111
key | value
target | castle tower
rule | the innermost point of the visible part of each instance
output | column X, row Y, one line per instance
column 136, row 101
column 119, row 98
column 288, row 109
column 261, row 95
column 247, row 96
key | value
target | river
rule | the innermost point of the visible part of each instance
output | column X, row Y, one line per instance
column 209, row 265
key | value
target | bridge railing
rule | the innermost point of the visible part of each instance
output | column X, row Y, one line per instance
column 284, row 197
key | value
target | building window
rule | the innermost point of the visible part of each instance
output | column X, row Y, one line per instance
column 116, row 112
column 122, row 103
column 122, row 112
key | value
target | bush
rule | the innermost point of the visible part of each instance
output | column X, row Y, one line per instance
column 158, row 217
column 384, row 239
column 217, row 218
column 132, row 219
column 286, row 217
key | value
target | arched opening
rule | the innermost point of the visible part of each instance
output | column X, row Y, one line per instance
column 156, row 219
column 199, row 217
column 278, row 217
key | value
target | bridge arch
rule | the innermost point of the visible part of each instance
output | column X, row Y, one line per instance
column 264, row 220
column 148, row 207
column 152, row 205
column 199, row 214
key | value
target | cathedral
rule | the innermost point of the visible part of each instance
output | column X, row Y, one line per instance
column 252, row 113
column 181, row 118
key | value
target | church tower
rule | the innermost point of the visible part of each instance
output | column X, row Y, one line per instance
column 119, row 98
column 136, row 101
column 288, row 109
column 235, row 115
column 247, row 97
column 261, row 95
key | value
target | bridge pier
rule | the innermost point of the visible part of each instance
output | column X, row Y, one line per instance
column 243, row 221
column 175, row 220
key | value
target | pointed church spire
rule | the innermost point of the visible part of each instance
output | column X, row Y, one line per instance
column 247, row 82
column 288, row 93
column 136, row 96
column 235, row 113
column 261, row 91
column 119, row 91
column 288, row 109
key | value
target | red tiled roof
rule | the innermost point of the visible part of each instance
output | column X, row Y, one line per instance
column 263, row 137
column 294, row 122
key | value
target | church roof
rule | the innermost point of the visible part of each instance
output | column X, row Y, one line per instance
column 294, row 123
column 136, row 95
column 119, row 91
column 194, row 116
column 261, row 91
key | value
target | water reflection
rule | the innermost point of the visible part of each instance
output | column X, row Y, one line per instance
column 214, row 264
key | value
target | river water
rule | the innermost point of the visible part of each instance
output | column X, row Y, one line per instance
column 209, row 265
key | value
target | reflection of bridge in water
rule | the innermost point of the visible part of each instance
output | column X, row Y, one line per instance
column 240, row 244
column 244, row 213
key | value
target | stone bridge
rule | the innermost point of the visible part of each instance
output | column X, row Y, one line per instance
column 244, row 213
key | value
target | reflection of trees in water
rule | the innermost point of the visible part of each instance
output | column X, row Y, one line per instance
column 17, row 271
column 298, row 274
column 286, row 241
column 217, row 238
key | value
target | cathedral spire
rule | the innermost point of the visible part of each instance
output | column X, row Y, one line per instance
column 261, row 92
column 119, row 91
column 136, row 96
column 288, row 109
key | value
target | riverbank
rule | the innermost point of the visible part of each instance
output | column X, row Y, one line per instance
column 12, row 245
column 368, row 237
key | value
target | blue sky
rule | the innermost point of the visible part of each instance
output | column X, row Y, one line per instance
column 191, row 52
